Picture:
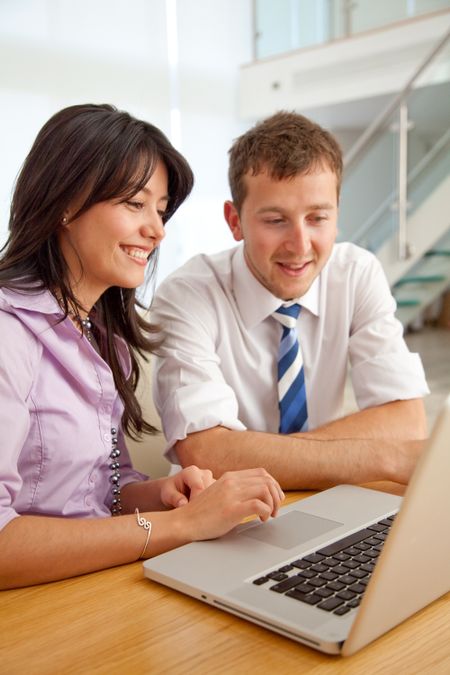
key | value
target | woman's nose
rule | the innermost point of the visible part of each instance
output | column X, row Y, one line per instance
column 153, row 228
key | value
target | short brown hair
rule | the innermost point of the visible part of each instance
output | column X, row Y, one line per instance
column 285, row 145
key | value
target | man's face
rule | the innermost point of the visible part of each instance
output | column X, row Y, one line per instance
column 288, row 227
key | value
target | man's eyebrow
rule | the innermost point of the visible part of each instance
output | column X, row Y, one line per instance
column 263, row 209
column 325, row 206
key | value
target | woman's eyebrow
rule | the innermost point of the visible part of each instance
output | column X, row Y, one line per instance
column 147, row 191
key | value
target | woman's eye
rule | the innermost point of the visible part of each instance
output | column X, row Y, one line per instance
column 135, row 204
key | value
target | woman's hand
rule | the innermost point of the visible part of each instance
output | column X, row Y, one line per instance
column 179, row 489
column 224, row 504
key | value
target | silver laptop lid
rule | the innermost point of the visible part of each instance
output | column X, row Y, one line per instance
column 414, row 567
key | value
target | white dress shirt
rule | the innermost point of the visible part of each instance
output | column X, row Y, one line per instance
column 218, row 363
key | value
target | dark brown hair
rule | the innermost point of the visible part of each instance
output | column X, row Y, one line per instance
column 88, row 154
column 284, row 145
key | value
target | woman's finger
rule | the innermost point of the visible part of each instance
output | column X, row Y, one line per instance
column 196, row 480
column 173, row 497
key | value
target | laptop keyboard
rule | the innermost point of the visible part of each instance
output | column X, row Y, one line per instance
column 334, row 577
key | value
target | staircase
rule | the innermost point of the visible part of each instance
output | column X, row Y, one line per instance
column 424, row 283
column 408, row 227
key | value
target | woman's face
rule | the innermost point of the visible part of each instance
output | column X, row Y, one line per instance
column 110, row 243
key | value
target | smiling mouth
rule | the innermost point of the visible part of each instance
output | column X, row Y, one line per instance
column 294, row 268
column 138, row 254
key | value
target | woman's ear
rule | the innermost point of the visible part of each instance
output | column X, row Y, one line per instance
column 233, row 220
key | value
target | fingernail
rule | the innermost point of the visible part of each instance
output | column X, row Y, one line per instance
column 182, row 501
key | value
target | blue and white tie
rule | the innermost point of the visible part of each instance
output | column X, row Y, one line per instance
column 291, row 379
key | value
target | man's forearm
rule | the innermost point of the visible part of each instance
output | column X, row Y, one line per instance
column 301, row 462
column 404, row 420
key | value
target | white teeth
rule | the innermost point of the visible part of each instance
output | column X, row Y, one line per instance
column 295, row 267
column 136, row 253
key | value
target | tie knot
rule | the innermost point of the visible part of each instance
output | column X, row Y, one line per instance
column 287, row 315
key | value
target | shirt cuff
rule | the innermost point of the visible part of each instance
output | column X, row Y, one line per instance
column 131, row 476
column 195, row 408
column 388, row 377
column 7, row 515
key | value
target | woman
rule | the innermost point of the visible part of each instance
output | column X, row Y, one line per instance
column 87, row 217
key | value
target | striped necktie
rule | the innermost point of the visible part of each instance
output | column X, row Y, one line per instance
column 291, row 380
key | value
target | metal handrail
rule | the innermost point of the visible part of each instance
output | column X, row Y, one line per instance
column 372, row 130
column 390, row 199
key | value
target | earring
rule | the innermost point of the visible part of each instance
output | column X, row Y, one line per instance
column 64, row 220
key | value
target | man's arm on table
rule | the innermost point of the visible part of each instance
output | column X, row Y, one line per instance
column 380, row 443
column 405, row 420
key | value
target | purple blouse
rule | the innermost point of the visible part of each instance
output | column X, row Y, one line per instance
column 58, row 404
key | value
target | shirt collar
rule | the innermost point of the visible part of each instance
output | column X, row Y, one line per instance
column 41, row 301
column 255, row 302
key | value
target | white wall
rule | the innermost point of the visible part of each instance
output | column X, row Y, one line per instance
column 56, row 53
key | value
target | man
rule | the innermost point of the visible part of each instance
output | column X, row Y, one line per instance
column 221, row 388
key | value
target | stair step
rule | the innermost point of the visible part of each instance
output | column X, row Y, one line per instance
column 421, row 279
column 408, row 303
column 433, row 252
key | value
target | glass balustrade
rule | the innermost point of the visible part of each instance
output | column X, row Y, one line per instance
column 370, row 216
column 285, row 25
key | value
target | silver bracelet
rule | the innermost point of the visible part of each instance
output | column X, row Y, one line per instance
column 146, row 524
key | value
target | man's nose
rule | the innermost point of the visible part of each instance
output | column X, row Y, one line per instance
column 299, row 241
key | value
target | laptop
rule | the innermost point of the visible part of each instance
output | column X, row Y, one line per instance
column 333, row 571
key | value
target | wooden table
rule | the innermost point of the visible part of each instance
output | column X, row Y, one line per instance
column 116, row 621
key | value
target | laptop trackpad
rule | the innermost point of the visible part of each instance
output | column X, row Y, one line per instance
column 290, row 530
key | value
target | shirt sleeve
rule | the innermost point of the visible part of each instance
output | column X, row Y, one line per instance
column 189, row 390
column 382, row 367
column 19, row 360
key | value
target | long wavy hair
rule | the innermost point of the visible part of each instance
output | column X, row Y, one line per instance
column 87, row 154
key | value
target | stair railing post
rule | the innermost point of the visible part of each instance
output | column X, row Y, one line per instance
column 347, row 23
column 402, row 203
